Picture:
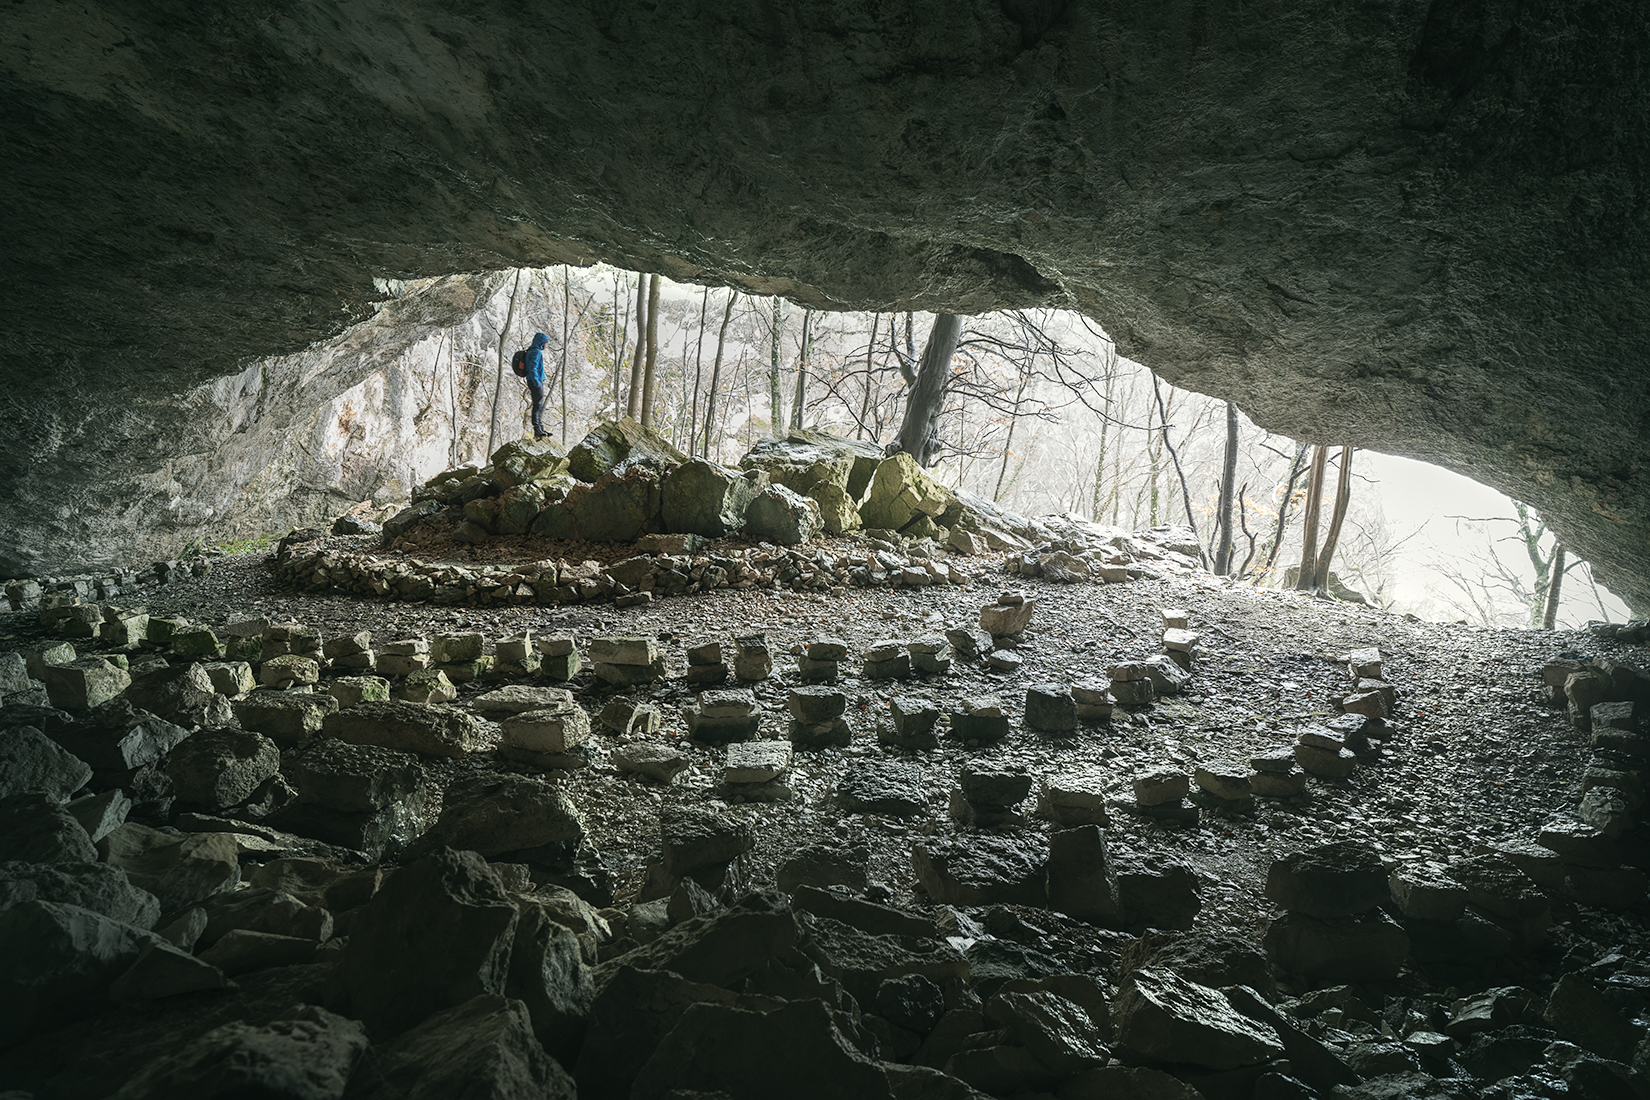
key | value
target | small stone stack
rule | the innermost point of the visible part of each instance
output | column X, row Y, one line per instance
column 1071, row 801
column 989, row 798
column 887, row 659
column 705, row 663
column 630, row 719
column 558, row 657
column 1161, row 793
column 125, row 628
column 1333, row 931
column 752, row 660
column 398, row 658
column 1327, row 751
column 930, row 654
column 968, row 644
column 909, row 724
column 350, row 652
column 1094, row 701
column 1051, row 708
column 756, row 772
column 296, row 639
column 460, row 656
column 723, row 715
column 1276, row 775
column 1008, row 616
column 350, row 690
column 1224, row 786
column 818, row 661
column 194, row 640
column 699, row 843
column 515, row 656
column 979, row 720
column 243, row 640
column 427, row 685
column 1131, row 683
column 817, row 718
column 1178, row 642
column 549, row 735
column 627, row 662
column 1371, row 695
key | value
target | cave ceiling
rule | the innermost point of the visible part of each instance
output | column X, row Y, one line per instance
column 1418, row 227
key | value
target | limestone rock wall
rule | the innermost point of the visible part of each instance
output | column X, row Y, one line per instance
column 1419, row 226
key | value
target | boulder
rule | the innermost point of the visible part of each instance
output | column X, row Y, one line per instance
column 408, row 727
column 1214, row 959
column 363, row 797
column 180, row 869
column 694, row 839
column 620, row 507
column 498, row 813
column 1058, row 1032
column 1330, row 880
column 218, row 768
column 96, row 886
column 84, row 683
column 613, row 442
column 1160, row 1017
column 31, row 761
column 722, row 948
column 863, row 961
column 163, row 970
column 481, row 1049
column 437, row 934
column 519, row 698
column 800, row 465
column 702, row 498
column 114, row 737
column 882, row 787
column 1369, row 947
column 1080, row 879
column 777, row 514
column 56, row 964
column 36, row 828
column 548, row 975
column 901, row 493
column 657, row 760
column 307, row 1054
column 287, row 718
column 837, row 513
column 633, row 1012
column 1156, row 892
column 981, row 870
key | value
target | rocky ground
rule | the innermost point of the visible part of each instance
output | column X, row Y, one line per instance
column 1477, row 755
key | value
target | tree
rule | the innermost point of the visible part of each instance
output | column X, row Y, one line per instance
column 503, row 340
column 633, row 404
column 1493, row 591
column 716, row 371
column 1555, row 587
column 1343, row 497
column 650, row 371
column 1228, row 474
column 925, row 399
column 803, row 356
column 776, row 392
column 1309, row 523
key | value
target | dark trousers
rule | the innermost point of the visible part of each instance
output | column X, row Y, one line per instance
column 537, row 390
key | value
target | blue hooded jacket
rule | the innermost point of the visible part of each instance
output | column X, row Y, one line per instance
column 535, row 359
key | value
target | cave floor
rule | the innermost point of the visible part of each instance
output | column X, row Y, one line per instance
column 1479, row 754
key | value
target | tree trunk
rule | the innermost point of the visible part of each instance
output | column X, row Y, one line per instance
column 1343, row 498
column 1284, row 505
column 633, row 403
column 776, row 391
column 716, row 371
column 1174, row 457
column 503, row 339
column 698, row 372
column 927, row 397
column 649, row 371
column 801, row 398
column 1228, row 475
column 1555, row 584
column 865, row 403
column 1309, row 522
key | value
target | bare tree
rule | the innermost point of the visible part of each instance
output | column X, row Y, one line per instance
column 1228, row 474
column 1555, row 586
column 716, row 371
column 649, row 370
column 633, row 404
column 503, row 340
column 776, row 410
column 1343, row 497
column 1308, row 569
column 925, row 398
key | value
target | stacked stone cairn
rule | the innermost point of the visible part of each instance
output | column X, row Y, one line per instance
column 1333, row 930
column 1093, row 701
column 931, row 654
column 1371, row 695
column 427, row 685
column 626, row 662
column 705, row 664
column 910, row 723
column 752, row 659
column 723, row 715
column 1275, row 774
column 1224, row 786
column 1071, row 801
column 1179, row 642
column 819, row 660
column 887, row 659
column 755, row 771
column 541, row 726
column 817, row 718
column 403, row 656
column 352, row 652
column 559, row 657
column 515, row 656
column 978, row 720
column 1004, row 621
column 630, row 719
column 989, row 798
column 1160, row 794
column 1131, row 684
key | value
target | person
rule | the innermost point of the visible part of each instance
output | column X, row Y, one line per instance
column 535, row 382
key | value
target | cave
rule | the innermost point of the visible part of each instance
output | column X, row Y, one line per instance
column 1413, row 227
column 1281, row 846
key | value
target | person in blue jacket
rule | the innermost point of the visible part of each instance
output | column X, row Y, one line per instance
column 535, row 382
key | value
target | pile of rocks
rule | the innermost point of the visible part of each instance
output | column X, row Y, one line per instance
column 706, row 664
column 752, row 660
column 817, row 718
column 755, row 771
column 989, row 798
column 820, row 660
column 1051, row 708
column 626, row 661
column 723, row 715
column 1333, row 929
column 1160, row 794
column 978, row 720
column 909, row 723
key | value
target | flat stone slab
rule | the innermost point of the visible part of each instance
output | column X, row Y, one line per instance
column 882, row 787
column 656, row 760
column 757, row 761
column 520, row 698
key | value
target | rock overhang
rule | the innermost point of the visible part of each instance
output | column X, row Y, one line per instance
column 1415, row 227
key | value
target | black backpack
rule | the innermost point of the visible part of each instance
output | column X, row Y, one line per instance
column 518, row 363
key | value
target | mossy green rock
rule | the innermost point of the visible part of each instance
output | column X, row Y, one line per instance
column 703, row 498
column 867, row 456
column 618, row 508
column 523, row 460
column 518, row 507
column 836, row 508
column 614, row 441
column 799, row 466
column 900, row 492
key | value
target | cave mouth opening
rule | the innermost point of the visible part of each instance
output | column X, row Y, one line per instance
column 1039, row 414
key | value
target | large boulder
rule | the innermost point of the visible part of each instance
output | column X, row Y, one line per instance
column 483, row 1049
column 308, row 1054
column 620, row 507
column 363, row 797
column 436, row 935
column 781, row 515
column 31, row 761
column 36, row 828
column 901, row 493
column 408, row 727
column 613, row 442
column 521, row 461
column 867, row 455
column 181, row 869
column 980, row 869
column 509, row 813
column 56, row 962
column 96, row 886
column 1160, row 1017
column 799, row 466
column 702, row 498
column 837, row 513
column 220, row 767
